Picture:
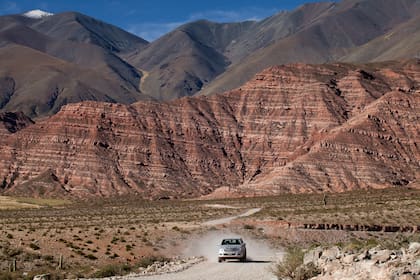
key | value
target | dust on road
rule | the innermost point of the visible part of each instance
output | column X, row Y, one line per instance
column 261, row 258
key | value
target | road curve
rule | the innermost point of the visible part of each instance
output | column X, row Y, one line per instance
column 229, row 219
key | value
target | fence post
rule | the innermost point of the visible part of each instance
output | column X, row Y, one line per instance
column 60, row 262
column 12, row 266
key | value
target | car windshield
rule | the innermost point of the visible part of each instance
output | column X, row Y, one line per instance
column 231, row 242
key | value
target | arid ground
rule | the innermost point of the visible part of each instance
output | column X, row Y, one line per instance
column 103, row 237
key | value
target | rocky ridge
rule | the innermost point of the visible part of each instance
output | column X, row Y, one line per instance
column 293, row 128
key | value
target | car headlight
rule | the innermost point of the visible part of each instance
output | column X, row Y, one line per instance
column 221, row 251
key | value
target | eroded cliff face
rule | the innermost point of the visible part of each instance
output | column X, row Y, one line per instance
column 294, row 128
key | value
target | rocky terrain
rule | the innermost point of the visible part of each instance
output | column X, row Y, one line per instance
column 374, row 263
column 292, row 128
column 320, row 32
column 160, row 267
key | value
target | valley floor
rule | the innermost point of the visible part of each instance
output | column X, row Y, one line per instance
column 117, row 236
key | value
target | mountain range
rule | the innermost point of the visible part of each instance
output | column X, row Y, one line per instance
column 321, row 98
column 71, row 57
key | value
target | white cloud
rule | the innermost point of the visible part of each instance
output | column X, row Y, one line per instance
column 9, row 7
column 153, row 30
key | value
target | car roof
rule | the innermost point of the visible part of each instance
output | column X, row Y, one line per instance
column 232, row 238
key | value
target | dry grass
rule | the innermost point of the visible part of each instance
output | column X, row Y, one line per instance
column 397, row 206
column 13, row 203
column 99, row 233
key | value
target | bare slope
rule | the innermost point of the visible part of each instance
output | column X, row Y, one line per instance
column 77, row 27
column 318, row 33
column 184, row 60
column 122, row 79
column 401, row 42
column 38, row 84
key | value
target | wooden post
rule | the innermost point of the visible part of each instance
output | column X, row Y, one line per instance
column 325, row 199
column 60, row 262
column 12, row 267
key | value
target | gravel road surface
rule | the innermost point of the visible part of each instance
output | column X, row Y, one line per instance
column 231, row 270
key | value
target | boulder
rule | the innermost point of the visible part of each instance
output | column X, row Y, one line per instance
column 414, row 248
column 312, row 256
column 331, row 254
column 348, row 259
column 42, row 277
column 382, row 256
column 406, row 277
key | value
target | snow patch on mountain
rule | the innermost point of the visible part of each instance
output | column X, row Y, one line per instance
column 37, row 14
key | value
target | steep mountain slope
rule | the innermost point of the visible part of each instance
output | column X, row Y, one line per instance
column 298, row 128
column 279, row 26
column 39, row 84
column 207, row 58
column 323, row 33
column 120, row 77
column 77, row 27
column 85, row 55
column 400, row 42
column 182, row 61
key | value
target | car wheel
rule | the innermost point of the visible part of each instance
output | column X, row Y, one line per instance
column 220, row 260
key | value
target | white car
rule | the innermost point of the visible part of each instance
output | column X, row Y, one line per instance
column 232, row 248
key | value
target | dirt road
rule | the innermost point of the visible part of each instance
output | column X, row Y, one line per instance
column 232, row 270
column 260, row 257
column 229, row 219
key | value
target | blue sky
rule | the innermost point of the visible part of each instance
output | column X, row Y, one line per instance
column 153, row 18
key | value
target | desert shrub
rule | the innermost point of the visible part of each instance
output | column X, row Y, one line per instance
column 356, row 245
column 308, row 271
column 114, row 256
column 33, row 246
column 113, row 270
column 8, row 276
column 11, row 252
column 288, row 266
column 114, row 240
column 249, row 226
column 147, row 261
column 292, row 266
column 91, row 257
column 48, row 258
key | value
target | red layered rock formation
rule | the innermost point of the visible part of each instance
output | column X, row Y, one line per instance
column 294, row 128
